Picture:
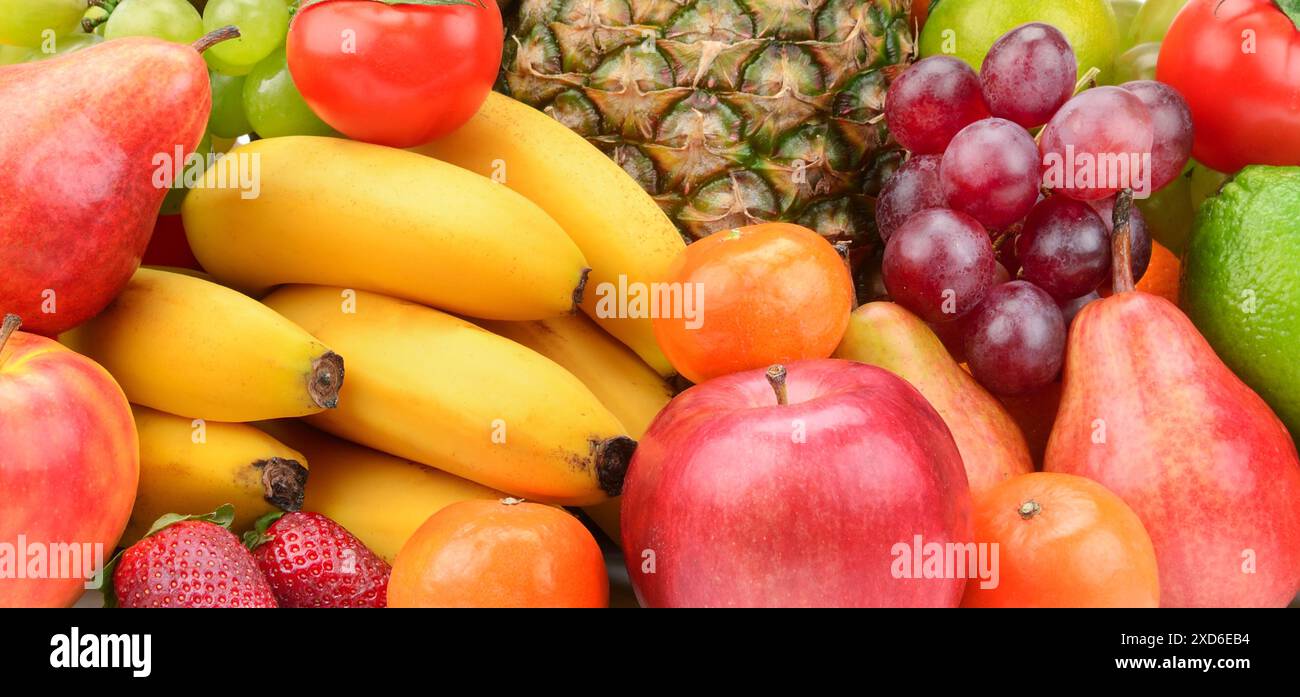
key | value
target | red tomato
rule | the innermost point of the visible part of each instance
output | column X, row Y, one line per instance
column 398, row 75
column 1237, row 62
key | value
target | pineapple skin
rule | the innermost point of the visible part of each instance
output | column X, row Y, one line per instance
column 728, row 112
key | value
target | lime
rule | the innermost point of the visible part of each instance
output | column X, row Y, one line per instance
column 967, row 28
column 1241, row 282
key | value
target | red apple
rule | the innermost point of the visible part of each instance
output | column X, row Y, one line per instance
column 758, row 489
column 69, row 465
column 89, row 144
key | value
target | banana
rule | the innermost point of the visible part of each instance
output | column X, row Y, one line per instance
column 190, row 347
column 617, row 225
column 379, row 498
column 436, row 389
column 633, row 391
column 329, row 211
column 193, row 466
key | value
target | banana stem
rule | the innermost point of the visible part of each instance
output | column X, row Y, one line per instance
column 1121, row 244
column 215, row 37
column 11, row 324
column 776, row 378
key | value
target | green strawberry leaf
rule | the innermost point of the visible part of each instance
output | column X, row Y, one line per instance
column 223, row 516
column 106, row 585
column 257, row 536
column 1292, row 9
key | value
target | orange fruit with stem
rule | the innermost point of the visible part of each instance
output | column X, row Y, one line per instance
column 1063, row 541
column 506, row 553
column 763, row 294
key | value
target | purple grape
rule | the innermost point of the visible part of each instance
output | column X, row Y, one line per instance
column 1028, row 74
column 1015, row 340
column 991, row 171
column 1071, row 308
column 1094, row 145
column 939, row 264
column 914, row 188
column 1140, row 251
column 930, row 102
column 1064, row 248
column 1171, row 123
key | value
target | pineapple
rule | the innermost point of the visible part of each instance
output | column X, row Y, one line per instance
column 729, row 112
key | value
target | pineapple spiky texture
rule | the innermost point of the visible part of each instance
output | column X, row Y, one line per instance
column 729, row 112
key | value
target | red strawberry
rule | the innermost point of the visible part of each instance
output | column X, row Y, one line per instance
column 189, row 561
column 312, row 561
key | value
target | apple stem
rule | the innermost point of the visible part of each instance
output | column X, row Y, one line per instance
column 11, row 324
column 215, row 37
column 1122, row 244
column 776, row 378
column 1029, row 509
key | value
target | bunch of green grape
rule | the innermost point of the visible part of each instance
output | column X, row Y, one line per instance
column 32, row 30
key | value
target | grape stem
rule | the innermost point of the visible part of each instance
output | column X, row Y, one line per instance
column 215, row 37
column 1121, row 244
column 1088, row 80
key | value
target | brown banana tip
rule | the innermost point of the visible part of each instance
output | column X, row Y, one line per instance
column 582, row 287
column 284, row 481
column 613, row 455
column 326, row 380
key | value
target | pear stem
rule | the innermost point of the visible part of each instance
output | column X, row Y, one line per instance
column 215, row 37
column 776, row 378
column 1121, row 244
column 11, row 324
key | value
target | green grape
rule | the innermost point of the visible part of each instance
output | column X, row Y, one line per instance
column 262, row 24
column 94, row 14
column 173, row 20
column 226, row 68
column 176, row 195
column 1125, row 11
column 273, row 105
column 11, row 55
column 1153, row 20
column 31, row 22
column 1137, row 63
column 1205, row 183
column 227, row 119
column 1169, row 213
column 70, row 43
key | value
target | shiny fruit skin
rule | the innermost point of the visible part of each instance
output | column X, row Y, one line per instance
column 931, row 101
column 70, row 459
column 1237, row 63
column 1202, row 460
column 506, row 553
column 71, row 239
column 719, row 492
column 991, row 445
column 1063, row 541
column 939, row 264
column 620, row 229
column 312, row 561
column 768, row 293
column 190, row 564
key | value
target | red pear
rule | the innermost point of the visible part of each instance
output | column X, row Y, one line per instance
column 1151, row 412
column 86, row 142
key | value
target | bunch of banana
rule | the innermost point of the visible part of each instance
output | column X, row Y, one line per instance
column 620, row 380
column 192, row 466
column 379, row 498
column 433, row 388
column 335, row 212
column 190, row 347
column 624, row 234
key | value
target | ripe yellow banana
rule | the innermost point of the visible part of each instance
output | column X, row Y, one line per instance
column 192, row 466
column 335, row 212
column 380, row 498
column 436, row 389
column 617, row 225
column 620, row 380
column 190, row 347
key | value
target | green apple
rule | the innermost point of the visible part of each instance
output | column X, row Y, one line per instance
column 967, row 28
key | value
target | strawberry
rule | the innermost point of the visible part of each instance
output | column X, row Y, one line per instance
column 312, row 561
column 189, row 561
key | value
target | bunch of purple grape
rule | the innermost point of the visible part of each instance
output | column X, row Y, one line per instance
column 997, row 237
